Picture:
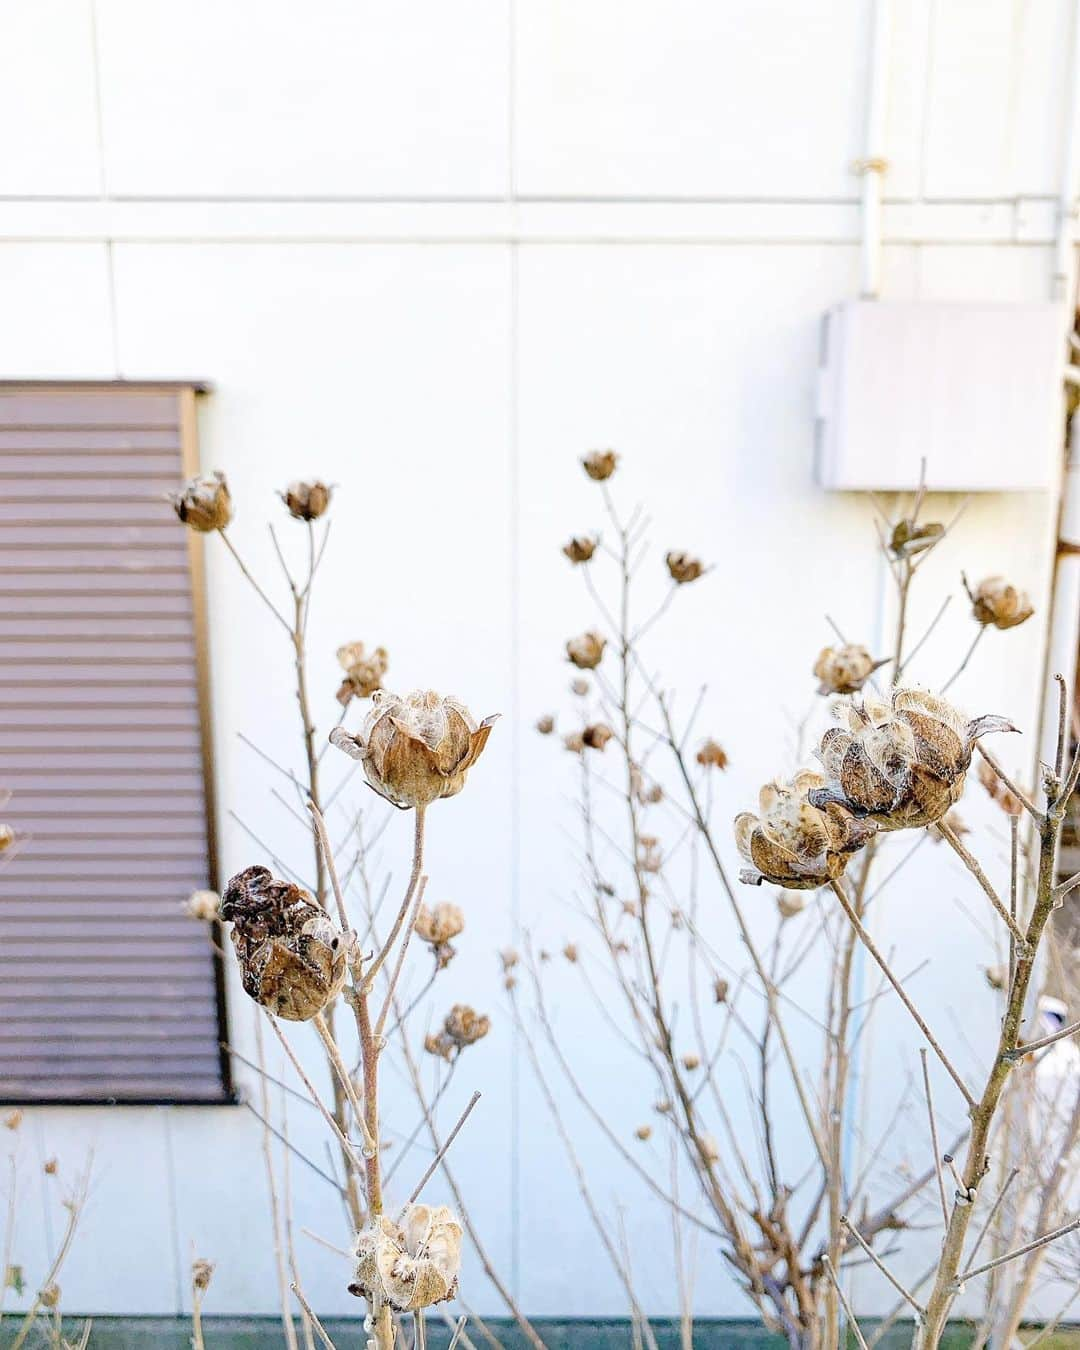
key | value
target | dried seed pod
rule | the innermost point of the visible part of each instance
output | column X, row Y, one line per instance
column 465, row 1026
column 683, row 567
column 416, row 749
column 7, row 837
column 720, row 990
column 712, row 755
column 579, row 687
column 292, row 955
column 794, row 843
column 691, row 1062
column 509, row 958
column 574, row 741
column 600, row 464
column 306, row 501
column 364, row 671
column 649, row 856
column 900, row 764
column 13, row 1120
column 908, row 538
column 996, row 977
column 597, row 736
column 570, row 951
column 203, row 503
column 50, row 1166
column 203, row 905
column 50, row 1295
column 411, row 1265
column 586, row 651
column 996, row 602
column 844, row 670
column 202, row 1272
column 545, row 725
column 643, row 1132
column 439, row 924
column 580, row 548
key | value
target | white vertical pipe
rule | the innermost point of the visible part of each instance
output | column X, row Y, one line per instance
column 1066, row 236
column 874, row 165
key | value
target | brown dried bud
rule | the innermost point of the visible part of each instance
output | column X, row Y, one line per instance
column 545, row 725
column 586, row 651
column 579, row 687
column 570, row 951
column 201, row 1274
column 908, row 538
column 720, row 990
column 994, row 601
column 203, row 503
column 13, row 1120
column 574, row 741
column 844, row 670
column 509, row 958
column 691, row 1062
column 50, row 1295
column 291, row 954
column 900, row 764
column 439, row 924
column 712, row 755
column 643, row 1132
column 683, row 567
column 203, row 905
column 790, row 903
column 597, row 736
column 416, row 749
column 999, row 792
column 50, row 1167
column 306, row 501
column 663, row 1107
column 363, row 671
column 600, row 464
column 465, row 1026
column 996, row 976
column 649, row 858
column 580, row 548
column 630, row 909
column 7, row 837
column 794, row 843
column 409, row 1266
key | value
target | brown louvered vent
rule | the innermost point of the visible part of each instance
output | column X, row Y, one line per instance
column 108, row 991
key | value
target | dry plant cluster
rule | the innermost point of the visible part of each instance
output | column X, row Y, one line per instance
column 709, row 1026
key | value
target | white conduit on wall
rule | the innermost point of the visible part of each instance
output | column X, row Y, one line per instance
column 874, row 164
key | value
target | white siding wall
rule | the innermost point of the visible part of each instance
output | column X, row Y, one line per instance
column 432, row 252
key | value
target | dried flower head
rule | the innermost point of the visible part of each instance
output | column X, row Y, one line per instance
column 291, row 954
column 570, row 951
column 203, row 905
column 643, row 1132
column 50, row 1295
column 202, row 1272
column 411, row 1265
column 13, row 1120
column 712, row 755
column 7, row 837
column 509, row 958
column 416, row 749
column 996, row 977
column 545, row 725
column 203, row 503
column 996, row 602
column 794, row 843
column 649, row 855
column 574, row 741
column 462, row 1026
column 683, row 567
column 439, row 924
column 908, row 537
column 306, row 501
column 844, row 670
column 580, row 548
column 51, row 1166
column 998, row 790
column 597, row 736
column 790, row 903
column 720, row 990
column 600, row 464
column 579, row 687
column 901, row 764
column 586, row 651
column 364, row 671
column 691, row 1062
column 709, row 1148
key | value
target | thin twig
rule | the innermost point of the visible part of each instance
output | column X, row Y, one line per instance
column 934, row 1136
column 319, row 1328
column 971, row 863
column 443, row 1150
column 882, row 1267
column 852, row 1322
column 1046, row 1238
